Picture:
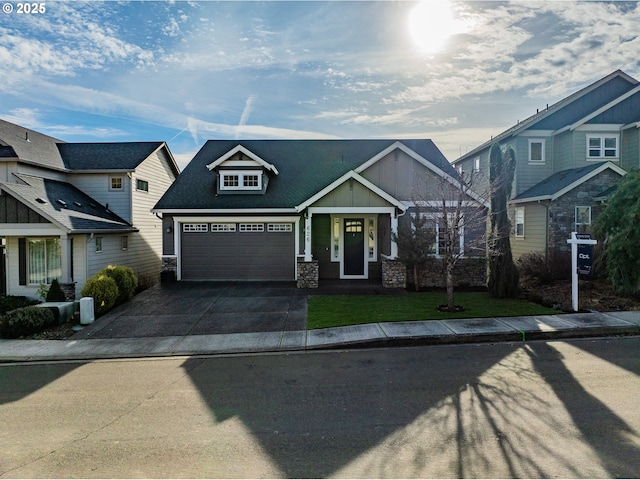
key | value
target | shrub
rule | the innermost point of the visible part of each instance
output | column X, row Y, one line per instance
column 55, row 293
column 25, row 321
column 533, row 265
column 11, row 302
column 104, row 291
column 125, row 279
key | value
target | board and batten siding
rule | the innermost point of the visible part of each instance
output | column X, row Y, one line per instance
column 535, row 226
column 351, row 194
column 403, row 177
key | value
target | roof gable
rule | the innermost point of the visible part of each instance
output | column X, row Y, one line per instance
column 242, row 151
column 29, row 146
column 305, row 168
column 568, row 110
column 560, row 183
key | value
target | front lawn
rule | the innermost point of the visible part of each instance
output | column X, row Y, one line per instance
column 340, row 310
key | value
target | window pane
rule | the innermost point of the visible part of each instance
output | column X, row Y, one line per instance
column 37, row 264
column 230, row 180
column 610, row 142
column 250, row 180
column 54, row 260
column 536, row 151
column 594, row 142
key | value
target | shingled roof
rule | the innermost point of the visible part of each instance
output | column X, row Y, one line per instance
column 65, row 205
column 124, row 156
column 305, row 167
column 561, row 182
column 29, row 146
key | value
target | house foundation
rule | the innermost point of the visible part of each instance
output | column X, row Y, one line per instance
column 308, row 274
column 394, row 273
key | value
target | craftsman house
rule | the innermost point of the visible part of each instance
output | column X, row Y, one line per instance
column 296, row 209
column 568, row 157
column 69, row 209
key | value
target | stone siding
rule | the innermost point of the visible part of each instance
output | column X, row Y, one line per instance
column 468, row 272
column 562, row 212
column 308, row 274
column 169, row 264
column 69, row 290
column 394, row 274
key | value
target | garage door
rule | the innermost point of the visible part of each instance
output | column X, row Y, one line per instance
column 238, row 251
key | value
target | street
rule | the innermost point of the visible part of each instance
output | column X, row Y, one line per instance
column 536, row 409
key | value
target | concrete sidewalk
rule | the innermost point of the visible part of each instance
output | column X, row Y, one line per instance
column 504, row 329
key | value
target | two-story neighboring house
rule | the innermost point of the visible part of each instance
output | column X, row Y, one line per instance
column 69, row 209
column 568, row 156
column 305, row 210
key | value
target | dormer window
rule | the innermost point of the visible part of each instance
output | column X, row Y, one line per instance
column 241, row 180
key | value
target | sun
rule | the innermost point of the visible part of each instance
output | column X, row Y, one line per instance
column 431, row 23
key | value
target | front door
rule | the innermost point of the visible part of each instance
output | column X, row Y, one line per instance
column 354, row 247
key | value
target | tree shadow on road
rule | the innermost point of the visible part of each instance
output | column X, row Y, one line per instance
column 415, row 412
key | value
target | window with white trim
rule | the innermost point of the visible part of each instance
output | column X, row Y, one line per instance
column 519, row 222
column 223, row 227
column 44, row 260
column 536, row 151
column 476, row 165
column 251, row 227
column 195, row 227
column 142, row 185
column 443, row 237
column 98, row 244
column 279, row 227
column 583, row 215
column 124, row 242
column 602, row 146
column 115, row 183
column 371, row 238
column 335, row 237
column 241, row 180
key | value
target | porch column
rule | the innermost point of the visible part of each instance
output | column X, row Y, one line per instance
column 65, row 258
column 307, row 237
column 394, row 231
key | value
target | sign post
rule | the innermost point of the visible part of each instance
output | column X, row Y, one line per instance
column 581, row 261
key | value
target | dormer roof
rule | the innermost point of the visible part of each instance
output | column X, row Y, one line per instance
column 246, row 152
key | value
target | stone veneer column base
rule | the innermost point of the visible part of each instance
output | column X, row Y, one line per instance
column 69, row 290
column 308, row 274
column 394, row 273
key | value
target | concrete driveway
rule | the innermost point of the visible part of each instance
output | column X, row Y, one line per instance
column 204, row 308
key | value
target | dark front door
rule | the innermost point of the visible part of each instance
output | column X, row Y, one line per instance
column 354, row 246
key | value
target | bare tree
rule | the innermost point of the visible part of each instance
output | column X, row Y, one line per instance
column 458, row 215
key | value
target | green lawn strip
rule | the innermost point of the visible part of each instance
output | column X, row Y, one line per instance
column 341, row 310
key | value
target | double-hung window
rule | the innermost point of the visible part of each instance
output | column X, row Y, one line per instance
column 519, row 222
column 45, row 260
column 602, row 146
column 583, row 215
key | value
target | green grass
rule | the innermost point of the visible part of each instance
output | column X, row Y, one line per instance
column 340, row 310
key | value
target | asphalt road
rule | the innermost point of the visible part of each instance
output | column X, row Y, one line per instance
column 541, row 409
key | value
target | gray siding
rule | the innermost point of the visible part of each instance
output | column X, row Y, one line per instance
column 563, row 151
column 351, row 194
column 630, row 149
column 96, row 185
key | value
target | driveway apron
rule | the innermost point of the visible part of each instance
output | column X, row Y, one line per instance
column 204, row 308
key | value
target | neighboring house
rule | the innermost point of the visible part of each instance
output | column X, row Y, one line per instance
column 568, row 156
column 69, row 209
column 296, row 209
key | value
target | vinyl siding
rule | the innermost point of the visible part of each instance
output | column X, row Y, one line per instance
column 529, row 174
column 534, row 230
column 630, row 149
column 96, row 185
column 146, row 246
column 563, row 151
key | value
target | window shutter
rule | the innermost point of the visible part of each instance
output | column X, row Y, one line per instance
column 22, row 261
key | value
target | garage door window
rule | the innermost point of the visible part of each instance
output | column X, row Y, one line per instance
column 223, row 227
column 195, row 227
column 252, row 227
column 279, row 227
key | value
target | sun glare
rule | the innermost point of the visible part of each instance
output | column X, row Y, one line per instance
column 431, row 23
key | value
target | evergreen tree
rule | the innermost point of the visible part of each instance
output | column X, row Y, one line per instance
column 415, row 245
column 55, row 293
column 503, row 274
column 618, row 226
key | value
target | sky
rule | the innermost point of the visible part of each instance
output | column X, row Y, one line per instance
column 185, row 72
